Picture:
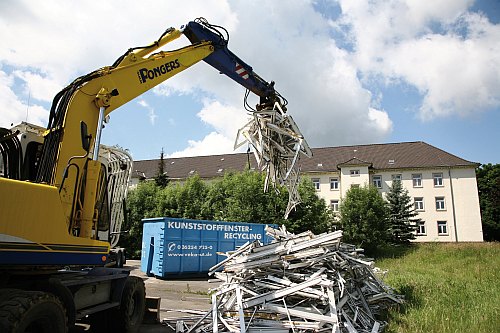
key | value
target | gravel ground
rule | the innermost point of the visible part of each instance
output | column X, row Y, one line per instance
column 176, row 295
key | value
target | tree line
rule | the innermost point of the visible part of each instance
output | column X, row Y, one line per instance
column 235, row 197
column 488, row 184
column 367, row 219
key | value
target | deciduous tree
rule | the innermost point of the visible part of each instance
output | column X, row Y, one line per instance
column 363, row 218
column 312, row 213
column 488, row 183
column 141, row 203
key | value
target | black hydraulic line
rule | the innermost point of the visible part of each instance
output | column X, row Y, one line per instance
column 111, row 181
column 132, row 49
column 66, row 170
column 60, row 103
column 214, row 28
column 246, row 105
column 103, row 195
column 10, row 150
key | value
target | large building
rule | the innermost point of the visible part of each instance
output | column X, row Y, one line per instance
column 443, row 186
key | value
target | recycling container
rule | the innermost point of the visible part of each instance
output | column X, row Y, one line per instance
column 174, row 247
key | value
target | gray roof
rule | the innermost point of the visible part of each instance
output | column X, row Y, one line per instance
column 403, row 155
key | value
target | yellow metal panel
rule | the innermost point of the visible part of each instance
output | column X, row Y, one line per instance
column 33, row 213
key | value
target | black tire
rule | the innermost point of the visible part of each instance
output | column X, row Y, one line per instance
column 128, row 317
column 119, row 259
column 32, row 311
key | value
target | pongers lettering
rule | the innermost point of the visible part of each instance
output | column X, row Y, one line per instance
column 150, row 74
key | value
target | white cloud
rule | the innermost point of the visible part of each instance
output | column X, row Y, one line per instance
column 37, row 86
column 151, row 111
column 212, row 144
column 14, row 110
column 226, row 119
column 449, row 54
column 381, row 121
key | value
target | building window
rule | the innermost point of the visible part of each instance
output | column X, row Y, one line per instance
column 440, row 203
column 354, row 172
column 377, row 181
column 417, row 180
column 334, row 205
column 315, row 182
column 442, row 228
column 396, row 177
column 334, row 183
column 419, row 204
column 438, row 179
column 421, row 228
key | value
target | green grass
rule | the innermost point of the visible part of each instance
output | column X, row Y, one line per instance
column 448, row 288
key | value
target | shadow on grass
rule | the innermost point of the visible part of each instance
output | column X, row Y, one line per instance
column 396, row 314
column 394, row 251
column 412, row 299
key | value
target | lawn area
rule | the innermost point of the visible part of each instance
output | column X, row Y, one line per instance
column 448, row 288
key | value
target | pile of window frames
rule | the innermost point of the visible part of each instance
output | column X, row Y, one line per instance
column 299, row 283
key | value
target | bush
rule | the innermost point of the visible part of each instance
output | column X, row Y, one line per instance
column 363, row 218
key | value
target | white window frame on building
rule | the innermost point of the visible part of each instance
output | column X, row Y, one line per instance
column 419, row 204
column 438, row 179
column 442, row 228
column 377, row 181
column 397, row 177
column 316, row 182
column 334, row 183
column 440, row 203
column 334, row 205
column 355, row 173
column 421, row 228
column 417, row 179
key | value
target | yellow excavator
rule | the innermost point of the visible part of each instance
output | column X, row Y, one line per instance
column 54, row 196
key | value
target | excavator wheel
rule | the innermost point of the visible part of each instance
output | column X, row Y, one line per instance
column 31, row 311
column 128, row 317
column 119, row 259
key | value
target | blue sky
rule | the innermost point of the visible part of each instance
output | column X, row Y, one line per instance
column 354, row 72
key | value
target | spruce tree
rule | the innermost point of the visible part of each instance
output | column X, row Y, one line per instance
column 402, row 215
column 161, row 178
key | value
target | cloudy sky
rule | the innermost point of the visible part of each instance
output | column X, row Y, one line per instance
column 354, row 72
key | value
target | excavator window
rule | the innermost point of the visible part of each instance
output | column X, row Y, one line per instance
column 31, row 160
column 102, row 204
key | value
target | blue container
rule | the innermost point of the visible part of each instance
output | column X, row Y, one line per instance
column 172, row 246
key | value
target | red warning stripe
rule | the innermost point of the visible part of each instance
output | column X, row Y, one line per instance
column 241, row 71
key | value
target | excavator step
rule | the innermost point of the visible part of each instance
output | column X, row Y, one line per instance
column 152, row 310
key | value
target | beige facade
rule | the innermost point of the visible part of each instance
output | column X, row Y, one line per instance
column 446, row 200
